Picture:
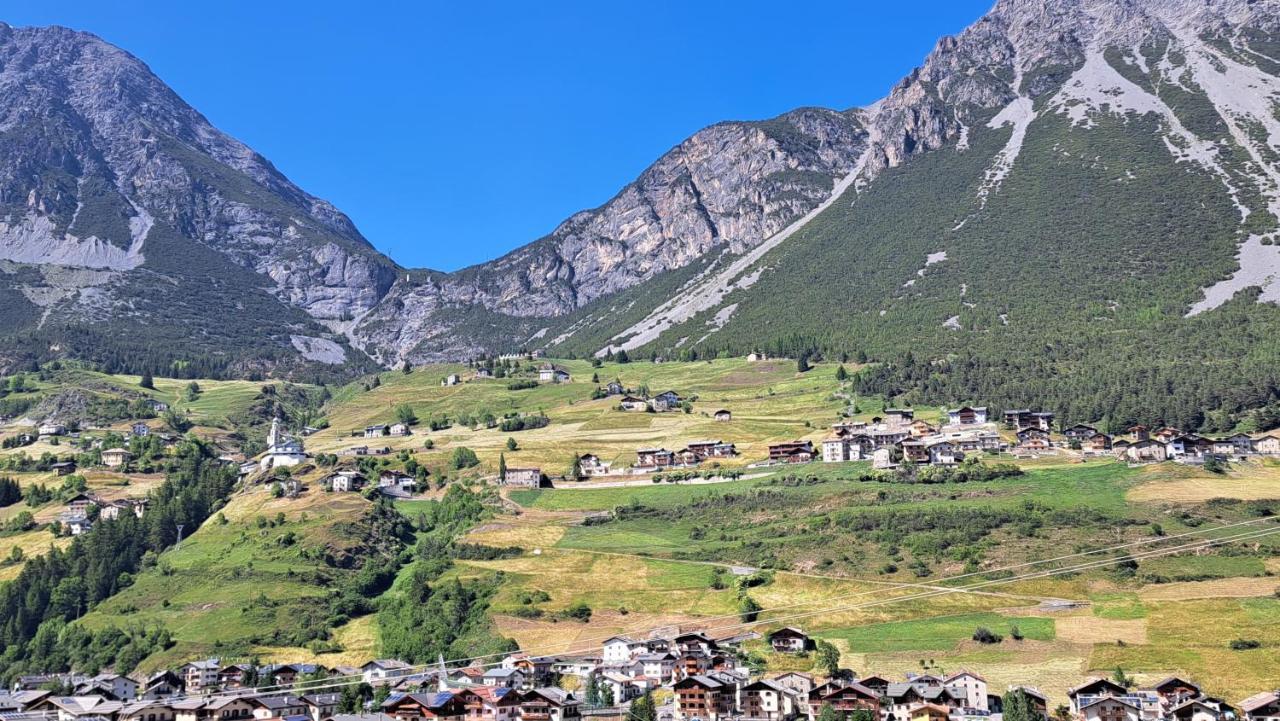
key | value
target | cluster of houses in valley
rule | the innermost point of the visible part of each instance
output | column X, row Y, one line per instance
column 705, row 678
column 81, row 510
column 898, row 438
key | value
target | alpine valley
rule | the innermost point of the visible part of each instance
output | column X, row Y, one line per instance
column 1071, row 203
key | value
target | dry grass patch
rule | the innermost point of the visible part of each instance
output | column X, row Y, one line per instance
column 358, row 638
column 1173, row 483
column 573, row 637
column 33, row 543
column 1091, row 629
column 1217, row 588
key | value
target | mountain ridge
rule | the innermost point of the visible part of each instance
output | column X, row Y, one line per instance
column 708, row 235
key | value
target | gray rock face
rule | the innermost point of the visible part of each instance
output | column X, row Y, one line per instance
column 96, row 150
column 98, row 156
column 730, row 185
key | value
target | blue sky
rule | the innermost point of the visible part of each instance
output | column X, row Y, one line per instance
column 453, row 132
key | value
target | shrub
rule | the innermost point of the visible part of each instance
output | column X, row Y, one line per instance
column 1244, row 644
column 983, row 634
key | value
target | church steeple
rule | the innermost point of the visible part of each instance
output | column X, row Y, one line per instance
column 274, row 436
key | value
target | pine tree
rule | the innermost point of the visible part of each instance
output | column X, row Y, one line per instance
column 147, row 381
column 842, row 375
column 502, row 466
column 644, row 709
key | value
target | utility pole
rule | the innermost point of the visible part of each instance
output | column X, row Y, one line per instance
column 179, row 543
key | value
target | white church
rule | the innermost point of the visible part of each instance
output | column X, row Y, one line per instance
column 282, row 449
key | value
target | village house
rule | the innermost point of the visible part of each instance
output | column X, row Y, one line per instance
column 377, row 431
column 536, row 669
column 552, row 373
column 660, row 665
column 1186, row 447
column 160, row 684
column 1095, row 690
column 345, row 481
column 321, row 706
column 1139, row 433
column 790, row 640
column 1096, row 443
column 844, row 698
column 846, row 445
column 441, row 706
column 703, row 450
column 114, row 509
column 944, row 453
column 1267, row 445
column 723, row 415
column 767, row 700
column 452, row 379
column 522, row 477
column 967, row 416
column 654, row 458
column 972, row 686
column 80, row 503
column 50, row 428
column 1148, row 451
column 1079, row 432
column 618, row 650
column 398, row 429
column 140, row 429
column 380, row 670
column 919, row 428
column 396, row 484
column 115, row 457
column 199, row 676
column 705, row 697
column 1172, row 691
column 791, row 452
column 1242, row 443
column 1166, row 434
column 266, row 708
column 490, row 703
column 930, row 712
column 114, row 686
column 1025, row 418
column 146, row 710
column 590, row 465
column 75, row 524
column 65, row 468
column 1262, row 707
column 76, row 708
column 883, row 458
column 503, row 677
column 157, row 406
column 914, row 452
column 1034, row 439
column 548, row 704
column 633, row 403
column 483, row 373
column 756, row 357
column 899, row 416
column 665, row 401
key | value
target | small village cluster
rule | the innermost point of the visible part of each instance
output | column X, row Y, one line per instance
column 705, row 678
column 898, row 438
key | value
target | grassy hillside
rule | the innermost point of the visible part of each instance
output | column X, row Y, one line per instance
column 820, row 540
column 1068, row 288
column 769, row 401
